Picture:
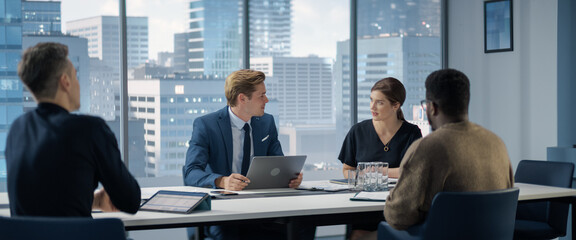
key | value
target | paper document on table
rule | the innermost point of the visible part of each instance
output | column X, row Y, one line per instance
column 328, row 187
column 370, row 196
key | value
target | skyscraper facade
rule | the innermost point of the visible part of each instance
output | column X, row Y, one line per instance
column 302, row 86
column 11, row 105
column 396, row 38
column 393, row 18
column 214, row 37
column 41, row 18
column 168, row 108
column 103, row 37
column 270, row 27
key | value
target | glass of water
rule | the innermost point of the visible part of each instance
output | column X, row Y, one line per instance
column 371, row 177
column 383, row 172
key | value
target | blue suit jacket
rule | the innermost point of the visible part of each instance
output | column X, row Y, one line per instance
column 210, row 153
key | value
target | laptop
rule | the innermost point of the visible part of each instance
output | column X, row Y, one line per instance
column 274, row 171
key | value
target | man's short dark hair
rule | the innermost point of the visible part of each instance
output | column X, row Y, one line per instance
column 450, row 90
column 41, row 67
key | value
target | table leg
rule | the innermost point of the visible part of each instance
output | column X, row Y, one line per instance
column 573, row 206
column 199, row 233
column 291, row 233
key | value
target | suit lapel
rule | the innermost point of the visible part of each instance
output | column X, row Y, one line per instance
column 226, row 131
column 257, row 135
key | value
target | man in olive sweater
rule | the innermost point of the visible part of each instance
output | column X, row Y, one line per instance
column 458, row 156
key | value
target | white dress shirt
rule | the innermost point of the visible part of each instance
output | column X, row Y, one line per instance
column 238, row 141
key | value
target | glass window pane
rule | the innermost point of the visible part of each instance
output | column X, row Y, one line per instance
column 193, row 45
column 11, row 91
column 294, row 42
column 399, row 39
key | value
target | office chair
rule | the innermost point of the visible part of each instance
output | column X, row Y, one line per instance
column 543, row 219
column 463, row 215
column 61, row 228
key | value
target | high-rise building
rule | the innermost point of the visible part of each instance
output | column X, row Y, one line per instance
column 168, row 108
column 103, row 37
column 302, row 86
column 11, row 88
column 396, row 38
column 166, row 59
column 41, row 18
column 214, row 36
column 181, row 55
column 103, row 91
column 393, row 18
column 270, row 28
column 409, row 59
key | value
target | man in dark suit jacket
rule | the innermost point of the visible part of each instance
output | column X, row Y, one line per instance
column 209, row 146
column 55, row 159
column 216, row 154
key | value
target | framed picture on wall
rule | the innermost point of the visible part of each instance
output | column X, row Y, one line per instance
column 498, row 33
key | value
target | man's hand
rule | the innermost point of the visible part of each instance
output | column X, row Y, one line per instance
column 234, row 182
column 102, row 201
column 295, row 183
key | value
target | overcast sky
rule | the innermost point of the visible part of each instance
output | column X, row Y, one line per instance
column 317, row 24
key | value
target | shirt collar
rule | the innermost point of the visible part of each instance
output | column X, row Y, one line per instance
column 235, row 120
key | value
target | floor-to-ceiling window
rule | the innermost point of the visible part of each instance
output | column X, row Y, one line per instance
column 180, row 51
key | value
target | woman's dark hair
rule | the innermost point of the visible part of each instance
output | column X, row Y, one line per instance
column 394, row 90
column 450, row 90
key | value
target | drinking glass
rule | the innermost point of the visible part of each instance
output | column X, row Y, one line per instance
column 383, row 172
column 371, row 177
column 360, row 175
column 352, row 179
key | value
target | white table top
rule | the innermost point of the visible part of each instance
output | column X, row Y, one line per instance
column 274, row 207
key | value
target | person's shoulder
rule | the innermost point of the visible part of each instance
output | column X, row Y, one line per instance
column 265, row 117
column 410, row 127
column 435, row 139
column 86, row 119
column 81, row 123
column 213, row 116
column 362, row 125
column 483, row 131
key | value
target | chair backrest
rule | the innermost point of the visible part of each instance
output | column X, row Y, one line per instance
column 549, row 173
column 61, row 228
column 472, row 215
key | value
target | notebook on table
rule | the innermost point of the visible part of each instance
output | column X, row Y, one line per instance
column 274, row 171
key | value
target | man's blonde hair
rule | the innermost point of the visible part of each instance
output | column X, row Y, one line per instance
column 242, row 81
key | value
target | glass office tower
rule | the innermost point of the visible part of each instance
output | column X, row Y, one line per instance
column 41, row 17
column 214, row 35
column 11, row 105
column 396, row 38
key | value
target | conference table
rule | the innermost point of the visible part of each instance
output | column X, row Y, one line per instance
column 289, row 206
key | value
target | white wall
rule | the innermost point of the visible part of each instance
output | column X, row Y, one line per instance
column 512, row 93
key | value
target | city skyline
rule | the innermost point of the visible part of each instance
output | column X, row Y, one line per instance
column 169, row 17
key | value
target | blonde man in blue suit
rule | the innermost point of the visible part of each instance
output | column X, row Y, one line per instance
column 215, row 156
column 218, row 156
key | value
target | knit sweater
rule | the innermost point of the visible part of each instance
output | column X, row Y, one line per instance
column 456, row 157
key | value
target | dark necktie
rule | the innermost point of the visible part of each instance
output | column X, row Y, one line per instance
column 247, row 145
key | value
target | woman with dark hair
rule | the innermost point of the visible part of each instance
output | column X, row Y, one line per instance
column 384, row 138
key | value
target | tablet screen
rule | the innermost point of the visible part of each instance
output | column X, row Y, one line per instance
column 172, row 201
